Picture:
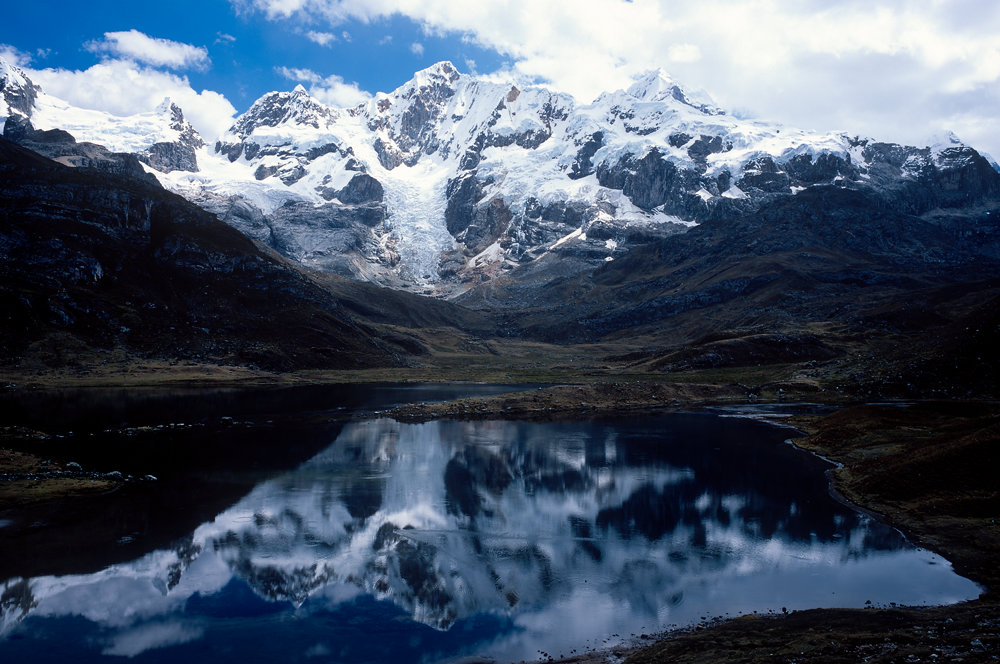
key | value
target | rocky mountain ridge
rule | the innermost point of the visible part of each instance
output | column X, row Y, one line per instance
column 102, row 266
column 452, row 181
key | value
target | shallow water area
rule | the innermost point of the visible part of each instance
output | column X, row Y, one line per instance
column 430, row 542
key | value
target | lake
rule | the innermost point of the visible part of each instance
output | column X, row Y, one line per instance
column 287, row 534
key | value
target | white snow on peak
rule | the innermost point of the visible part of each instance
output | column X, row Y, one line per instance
column 443, row 70
column 653, row 85
column 166, row 106
column 12, row 75
column 524, row 144
column 938, row 143
column 131, row 133
column 656, row 85
column 11, row 78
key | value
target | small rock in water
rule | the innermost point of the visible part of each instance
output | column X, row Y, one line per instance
column 73, row 465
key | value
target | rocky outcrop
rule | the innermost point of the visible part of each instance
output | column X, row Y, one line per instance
column 582, row 165
column 178, row 155
column 463, row 193
column 167, row 157
column 333, row 237
column 362, row 188
column 61, row 146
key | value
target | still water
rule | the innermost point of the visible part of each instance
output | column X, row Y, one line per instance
column 426, row 542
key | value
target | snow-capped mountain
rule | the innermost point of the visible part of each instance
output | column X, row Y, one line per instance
column 453, row 180
column 161, row 138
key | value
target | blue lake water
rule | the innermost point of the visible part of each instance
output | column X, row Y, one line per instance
column 431, row 542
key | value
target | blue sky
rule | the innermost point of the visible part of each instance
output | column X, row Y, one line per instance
column 245, row 49
column 891, row 69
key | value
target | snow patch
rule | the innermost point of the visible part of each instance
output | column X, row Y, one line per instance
column 578, row 233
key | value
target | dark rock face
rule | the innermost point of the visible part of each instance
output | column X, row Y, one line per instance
column 188, row 134
column 463, row 193
column 825, row 168
column 652, row 182
column 488, row 224
column 334, row 237
column 471, row 223
column 764, row 176
column 319, row 151
column 167, row 157
column 388, row 155
column 679, row 139
column 263, row 172
column 706, row 145
column 362, row 188
column 582, row 165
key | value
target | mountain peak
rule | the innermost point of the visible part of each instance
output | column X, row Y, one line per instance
column 658, row 85
column 17, row 92
column 167, row 106
column 12, row 77
column 441, row 71
column 297, row 107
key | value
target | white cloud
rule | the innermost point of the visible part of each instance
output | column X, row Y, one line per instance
column 273, row 8
column 417, row 49
column 321, row 38
column 331, row 90
column 810, row 63
column 122, row 87
column 684, row 53
column 224, row 38
column 14, row 56
column 140, row 47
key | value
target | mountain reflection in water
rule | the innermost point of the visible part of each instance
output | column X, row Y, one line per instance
column 410, row 542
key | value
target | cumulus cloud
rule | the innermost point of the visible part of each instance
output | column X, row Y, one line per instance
column 14, row 56
column 331, row 90
column 123, row 87
column 417, row 48
column 321, row 38
column 140, row 47
column 811, row 63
